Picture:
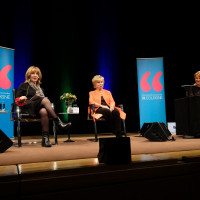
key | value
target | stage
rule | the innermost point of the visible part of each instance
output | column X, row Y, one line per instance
column 83, row 147
column 73, row 170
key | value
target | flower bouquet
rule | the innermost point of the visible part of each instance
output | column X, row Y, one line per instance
column 69, row 99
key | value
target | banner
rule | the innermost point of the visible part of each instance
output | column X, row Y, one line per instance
column 6, row 86
column 151, row 92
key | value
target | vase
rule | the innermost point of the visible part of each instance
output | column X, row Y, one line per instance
column 69, row 108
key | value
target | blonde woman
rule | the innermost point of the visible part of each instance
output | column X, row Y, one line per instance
column 197, row 78
column 195, row 91
column 105, row 105
column 35, row 103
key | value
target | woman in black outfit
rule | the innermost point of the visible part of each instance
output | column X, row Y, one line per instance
column 36, row 103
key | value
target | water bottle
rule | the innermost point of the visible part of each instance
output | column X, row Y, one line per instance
column 3, row 106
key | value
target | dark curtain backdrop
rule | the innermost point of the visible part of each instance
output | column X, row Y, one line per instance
column 71, row 41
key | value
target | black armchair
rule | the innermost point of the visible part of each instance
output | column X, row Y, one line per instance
column 91, row 110
column 18, row 116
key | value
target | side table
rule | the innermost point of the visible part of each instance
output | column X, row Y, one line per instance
column 75, row 111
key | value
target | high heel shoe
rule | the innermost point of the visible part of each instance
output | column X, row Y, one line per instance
column 60, row 126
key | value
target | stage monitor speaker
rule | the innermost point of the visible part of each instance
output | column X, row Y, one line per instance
column 5, row 142
column 157, row 132
column 144, row 128
column 114, row 150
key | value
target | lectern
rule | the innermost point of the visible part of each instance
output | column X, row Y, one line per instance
column 187, row 114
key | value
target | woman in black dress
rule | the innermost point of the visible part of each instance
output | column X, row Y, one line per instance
column 36, row 103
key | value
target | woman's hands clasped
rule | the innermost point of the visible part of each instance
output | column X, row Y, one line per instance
column 111, row 107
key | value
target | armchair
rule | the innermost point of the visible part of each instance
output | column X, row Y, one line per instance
column 18, row 116
column 91, row 110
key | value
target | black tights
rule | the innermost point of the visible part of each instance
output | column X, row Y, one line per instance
column 45, row 111
column 113, row 118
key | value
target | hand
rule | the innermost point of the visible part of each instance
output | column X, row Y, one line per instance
column 23, row 98
column 105, row 107
column 112, row 108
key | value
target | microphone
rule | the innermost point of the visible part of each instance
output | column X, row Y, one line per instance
column 188, row 86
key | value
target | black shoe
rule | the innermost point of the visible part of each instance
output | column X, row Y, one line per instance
column 61, row 125
column 45, row 140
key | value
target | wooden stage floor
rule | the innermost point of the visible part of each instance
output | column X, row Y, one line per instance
column 82, row 173
column 92, row 162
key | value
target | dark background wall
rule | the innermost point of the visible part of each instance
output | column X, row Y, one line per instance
column 71, row 41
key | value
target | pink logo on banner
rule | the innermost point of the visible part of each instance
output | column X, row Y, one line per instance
column 146, row 87
column 5, row 83
column 157, row 86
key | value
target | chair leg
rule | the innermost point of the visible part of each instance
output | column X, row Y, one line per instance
column 124, row 127
column 95, row 131
column 54, row 133
column 19, row 134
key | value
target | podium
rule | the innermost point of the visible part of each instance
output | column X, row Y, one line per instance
column 187, row 116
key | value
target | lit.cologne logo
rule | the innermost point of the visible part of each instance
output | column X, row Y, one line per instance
column 146, row 87
column 5, row 83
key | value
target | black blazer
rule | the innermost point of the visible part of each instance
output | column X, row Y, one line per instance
column 26, row 90
column 31, row 107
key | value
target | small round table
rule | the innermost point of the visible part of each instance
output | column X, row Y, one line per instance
column 75, row 112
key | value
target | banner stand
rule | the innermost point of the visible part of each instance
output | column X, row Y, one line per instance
column 151, row 92
column 6, row 87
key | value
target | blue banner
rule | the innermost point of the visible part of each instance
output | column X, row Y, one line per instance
column 151, row 92
column 6, row 86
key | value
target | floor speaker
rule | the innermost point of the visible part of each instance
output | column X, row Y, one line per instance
column 5, row 142
column 114, row 150
column 144, row 128
column 157, row 132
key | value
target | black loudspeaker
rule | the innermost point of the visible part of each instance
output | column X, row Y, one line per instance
column 157, row 132
column 114, row 150
column 144, row 128
column 5, row 142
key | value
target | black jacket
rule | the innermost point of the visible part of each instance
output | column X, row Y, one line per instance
column 31, row 107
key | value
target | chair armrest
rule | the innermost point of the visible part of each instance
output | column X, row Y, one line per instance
column 121, row 106
column 17, row 111
column 92, row 107
column 12, row 112
column 90, row 111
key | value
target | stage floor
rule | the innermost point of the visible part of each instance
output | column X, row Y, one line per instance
column 50, row 178
column 92, row 161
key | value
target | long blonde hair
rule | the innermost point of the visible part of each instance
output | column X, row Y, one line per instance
column 30, row 71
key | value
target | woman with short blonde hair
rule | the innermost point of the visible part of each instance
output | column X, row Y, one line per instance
column 197, row 78
column 105, row 105
column 96, row 79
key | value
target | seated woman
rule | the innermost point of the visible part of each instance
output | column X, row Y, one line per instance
column 105, row 105
column 35, row 103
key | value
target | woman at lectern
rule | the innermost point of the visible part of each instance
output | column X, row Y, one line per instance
column 195, row 91
column 197, row 78
column 105, row 105
column 30, row 96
